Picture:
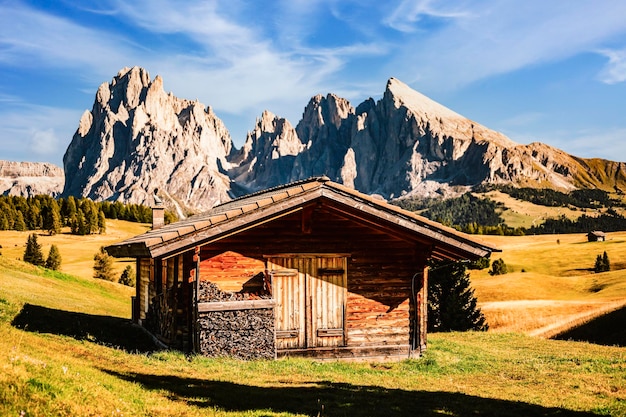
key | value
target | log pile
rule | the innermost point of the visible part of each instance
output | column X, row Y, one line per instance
column 242, row 334
column 208, row 292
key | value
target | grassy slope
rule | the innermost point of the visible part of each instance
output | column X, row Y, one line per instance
column 76, row 251
column 551, row 281
column 54, row 370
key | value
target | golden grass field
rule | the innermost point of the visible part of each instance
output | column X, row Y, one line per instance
column 67, row 348
column 77, row 252
column 551, row 283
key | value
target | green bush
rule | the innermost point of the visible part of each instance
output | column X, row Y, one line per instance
column 498, row 267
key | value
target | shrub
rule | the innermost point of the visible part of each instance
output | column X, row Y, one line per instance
column 498, row 267
column 128, row 276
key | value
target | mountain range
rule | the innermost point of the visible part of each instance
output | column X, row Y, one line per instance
column 138, row 141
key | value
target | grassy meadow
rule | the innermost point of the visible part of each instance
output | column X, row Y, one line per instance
column 551, row 284
column 68, row 349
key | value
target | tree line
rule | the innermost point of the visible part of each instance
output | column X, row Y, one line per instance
column 589, row 198
column 83, row 216
column 475, row 215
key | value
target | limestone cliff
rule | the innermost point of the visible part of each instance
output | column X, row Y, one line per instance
column 137, row 138
column 28, row 179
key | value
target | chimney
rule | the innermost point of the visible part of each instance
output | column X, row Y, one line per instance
column 158, row 216
column 158, row 212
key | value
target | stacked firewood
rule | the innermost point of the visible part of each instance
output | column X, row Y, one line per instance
column 241, row 334
column 208, row 292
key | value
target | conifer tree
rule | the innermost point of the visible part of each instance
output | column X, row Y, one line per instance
column 54, row 258
column 33, row 253
column 452, row 305
column 52, row 218
column 102, row 224
column 103, row 266
column 128, row 276
column 20, row 224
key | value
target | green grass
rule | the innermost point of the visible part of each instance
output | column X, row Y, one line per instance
column 67, row 349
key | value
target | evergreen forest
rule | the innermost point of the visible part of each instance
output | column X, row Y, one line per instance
column 82, row 216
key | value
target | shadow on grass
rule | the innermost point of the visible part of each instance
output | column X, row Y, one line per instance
column 334, row 399
column 606, row 330
column 109, row 331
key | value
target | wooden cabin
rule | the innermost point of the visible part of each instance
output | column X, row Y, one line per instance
column 596, row 236
column 312, row 269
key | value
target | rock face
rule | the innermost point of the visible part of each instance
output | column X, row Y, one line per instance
column 137, row 139
column 28, row 179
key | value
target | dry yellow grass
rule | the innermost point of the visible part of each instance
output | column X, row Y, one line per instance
column 551, row 283
column 76, row 251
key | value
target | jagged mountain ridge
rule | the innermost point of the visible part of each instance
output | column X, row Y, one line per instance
column 137, row 139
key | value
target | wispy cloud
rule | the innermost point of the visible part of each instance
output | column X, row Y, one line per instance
column 615, row 70
column 33, row 39
column 504, row 36
column 39, row 133
column 408, row 14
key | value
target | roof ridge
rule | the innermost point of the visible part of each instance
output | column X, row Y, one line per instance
column 321, row 178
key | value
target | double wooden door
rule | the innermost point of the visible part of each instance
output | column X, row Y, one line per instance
column 310, row 292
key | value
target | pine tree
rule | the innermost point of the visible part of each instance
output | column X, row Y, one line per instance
column 602, row 263
column 605, row 262
column 20, row 224
column 52, row 218
column 102, row 224
column 33, row 253
column 452, row 305
column 103, row 266
column 54, row 258
column 128, row 276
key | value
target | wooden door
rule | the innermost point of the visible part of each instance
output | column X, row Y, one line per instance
column 310, row 293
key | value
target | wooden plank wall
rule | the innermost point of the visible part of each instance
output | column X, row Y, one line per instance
column 380, row 267
column 229, row 270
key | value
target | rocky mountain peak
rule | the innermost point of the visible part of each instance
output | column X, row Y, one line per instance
column 137, row 138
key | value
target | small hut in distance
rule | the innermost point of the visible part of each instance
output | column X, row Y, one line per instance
column 596, row 236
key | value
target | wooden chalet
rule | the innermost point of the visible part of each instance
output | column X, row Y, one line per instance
column 596, row 236
column 312, row 268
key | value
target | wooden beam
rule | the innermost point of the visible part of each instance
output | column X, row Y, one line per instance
column 235, row 305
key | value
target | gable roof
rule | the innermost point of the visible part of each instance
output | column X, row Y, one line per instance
column 255, row 209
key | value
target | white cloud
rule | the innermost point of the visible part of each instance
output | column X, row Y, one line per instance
column 34, row 39
column 407, row 15
column 504, row 36
column 36, row 133
column 615, row 70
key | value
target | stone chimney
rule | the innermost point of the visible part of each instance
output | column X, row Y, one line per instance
column 158, row 213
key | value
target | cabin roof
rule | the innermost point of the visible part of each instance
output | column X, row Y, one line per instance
column 597, row 233
column 257, row 208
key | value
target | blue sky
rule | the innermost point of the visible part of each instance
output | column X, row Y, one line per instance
column 550, row 71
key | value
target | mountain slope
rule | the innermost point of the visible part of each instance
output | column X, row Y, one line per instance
column 138, row 138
